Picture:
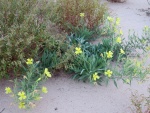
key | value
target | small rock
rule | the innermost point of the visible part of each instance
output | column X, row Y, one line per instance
column 56, row 108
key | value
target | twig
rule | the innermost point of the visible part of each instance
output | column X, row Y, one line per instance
column 2, row 110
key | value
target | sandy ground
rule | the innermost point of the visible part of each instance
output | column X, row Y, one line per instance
column 68, row 96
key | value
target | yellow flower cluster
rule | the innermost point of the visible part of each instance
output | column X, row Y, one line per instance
column 95, row 76
column 78, row 50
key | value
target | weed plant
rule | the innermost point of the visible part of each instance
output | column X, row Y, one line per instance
column 27, row 88
column 140, row 103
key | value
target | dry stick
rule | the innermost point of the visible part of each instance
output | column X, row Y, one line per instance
column 2, row 110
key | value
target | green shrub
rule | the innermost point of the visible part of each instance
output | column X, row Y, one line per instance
column 73, row 15
column 20, row 34
column 57, row 54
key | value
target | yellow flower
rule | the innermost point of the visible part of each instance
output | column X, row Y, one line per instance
column 121, row 33
column 148, row 48
column 29, row 61
column 138, row 64
column 127, row 81
column 122, row 51
column 109, row 54
column 25, row 77
column 118, row 40
column 44, row 89
column 22, row 105
column 143, row 41
column 8, row 90
column 22, row 95
column 108, row 73
column 146, row 28
column 95, row 76
column 140, row 82
column 110, row 19
column 101, row 55
column 47, row 73
column 78, row 50
column 117, row 21
column 81, row 14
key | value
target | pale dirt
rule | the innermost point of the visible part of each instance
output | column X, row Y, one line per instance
column 68, row 96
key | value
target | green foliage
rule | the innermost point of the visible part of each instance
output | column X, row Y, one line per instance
column 83, row 32
column 85, row 66
column 129, row 69
column 136, row 43
column 57, row 54
column 73, row 39
column 49, row 59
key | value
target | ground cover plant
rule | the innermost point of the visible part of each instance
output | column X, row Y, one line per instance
column 97, row 61
column 140, row 103
column 32, row 53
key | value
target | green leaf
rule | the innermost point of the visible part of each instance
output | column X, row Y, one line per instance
column 115, row 83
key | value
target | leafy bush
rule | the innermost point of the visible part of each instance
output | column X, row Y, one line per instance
column 77, row 15
column 20, row 34
column 13, row 13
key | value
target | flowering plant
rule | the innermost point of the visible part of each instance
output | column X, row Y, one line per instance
column 27, row 89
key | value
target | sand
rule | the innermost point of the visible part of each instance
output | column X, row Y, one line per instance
column 68, row 96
